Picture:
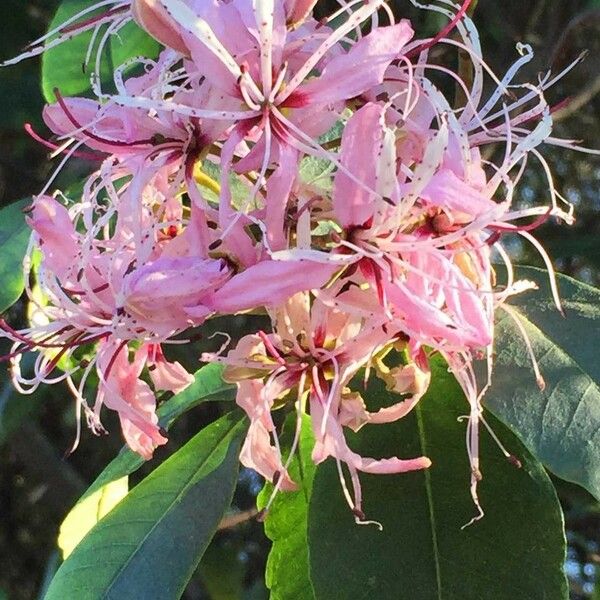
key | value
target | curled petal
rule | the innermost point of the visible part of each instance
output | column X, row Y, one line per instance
column 258, row 452
column 353, row 412
column 333, row 443
column 406, row 379
column 159, row 291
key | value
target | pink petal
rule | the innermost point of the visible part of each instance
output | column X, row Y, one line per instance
column 448, row 192
column 363, row 67
column 259, row 454
column 158, row 291
column 298, row 10
column 279, row 186
column 131, row 397
column 151, row 16
column 165, row 375
column 58, row 241
column 269, row 283
column 407, row 379
column 361, row 143
column 334, row 444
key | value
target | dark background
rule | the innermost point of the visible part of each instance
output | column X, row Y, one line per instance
column 38, row 486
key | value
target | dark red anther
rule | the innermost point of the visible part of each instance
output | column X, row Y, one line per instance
column 513, row 460
column 359, row 514
column 276, row 477
column 261, row 516
column 493, row 238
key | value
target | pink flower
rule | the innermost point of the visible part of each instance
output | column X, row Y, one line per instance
column 268, row 80
column 158, row 294
column 214, row 193
column 122, row 390
column 313, row 354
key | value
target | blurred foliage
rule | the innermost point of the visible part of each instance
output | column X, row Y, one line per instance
column 38, row 487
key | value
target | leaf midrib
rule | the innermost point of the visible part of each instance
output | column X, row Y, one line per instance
column 429, row 491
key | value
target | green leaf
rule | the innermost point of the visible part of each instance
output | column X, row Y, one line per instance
column 317, row 171
column 63, row 65
column 561, row 424
column 14, row 238
column 85, row 514
column 287, row 573
column 132, row 42
column 516, row 551
column 218, row 560
column 208, row 386
column 149, row 545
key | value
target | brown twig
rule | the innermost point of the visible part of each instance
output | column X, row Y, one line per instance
column 235, row 519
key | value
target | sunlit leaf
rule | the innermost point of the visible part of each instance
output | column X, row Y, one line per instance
column 64, row 66
column 132, row 42
column 88, row 512
column 287, row 573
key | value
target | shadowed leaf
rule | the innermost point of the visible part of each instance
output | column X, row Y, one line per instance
column 149, row 545
column 516, row 551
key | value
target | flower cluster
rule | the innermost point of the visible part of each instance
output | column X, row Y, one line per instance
column 315, row 170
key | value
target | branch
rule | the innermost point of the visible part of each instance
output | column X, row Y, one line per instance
column 235, row 519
